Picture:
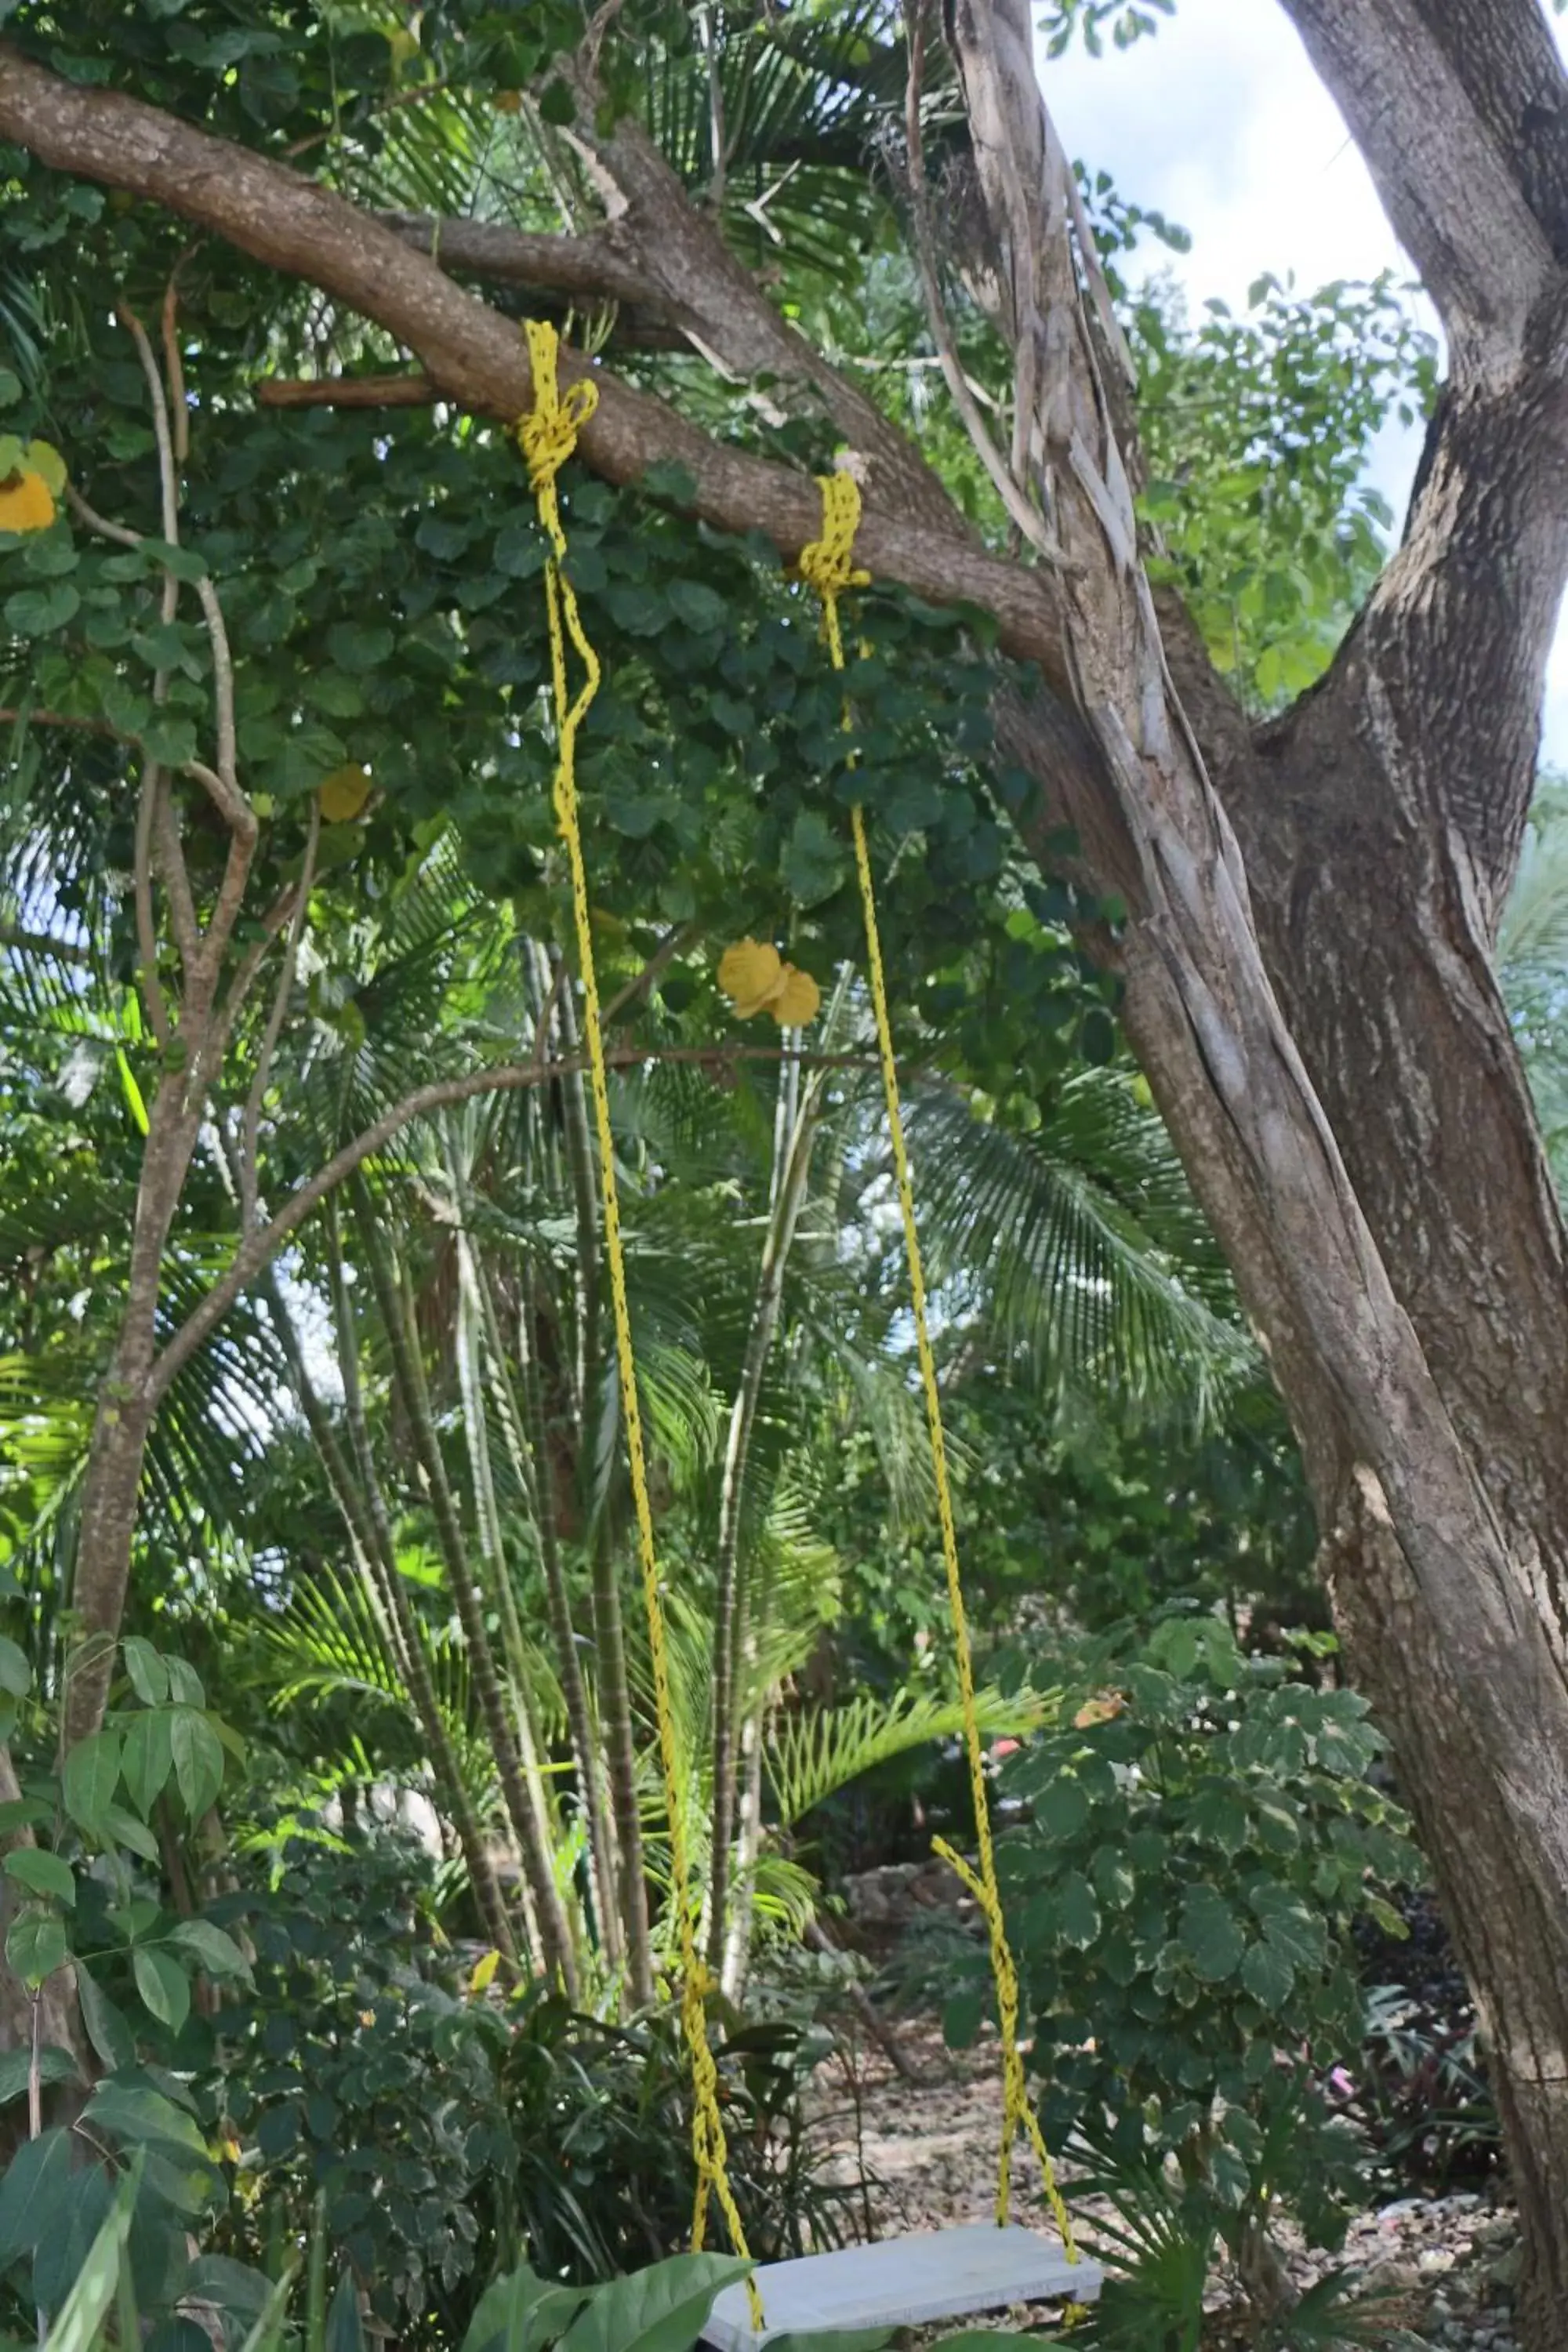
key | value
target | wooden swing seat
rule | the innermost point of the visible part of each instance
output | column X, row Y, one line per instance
column 903, row 2282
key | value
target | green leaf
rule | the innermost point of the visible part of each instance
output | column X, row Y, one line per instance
column 148, row 1757
column 696, row 605
column 80, row 2322
column 162, row 1985
column 345, row 2330
column 91, row 1776
column 1268, row 1975
column 661, row 2309
column 1289, row 1925
column 61, row 2251
column 149, row 1676
column 1061, row 1811
column 1076, row 1914
column 54, row 2065
column 1210, row 1934
column 198, row 1759
column 41, row 1873
column 213, row 1951
column 36, row 1946
column 15, row 1674
column 184, row 1682
column 32, row 2191
column 122, row 1828
column 10, row 388
column 140, row 2116
column 37, row 612
column 814, row 861
column 107, row 2029
column 170, row 740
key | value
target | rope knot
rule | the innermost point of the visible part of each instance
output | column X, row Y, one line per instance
column 548, row 435
column 827, row 564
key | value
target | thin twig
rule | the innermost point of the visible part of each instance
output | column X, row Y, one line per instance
column 1020, row 506
column 402, row 390
column 167, row 473
column 668, row 949
column 18, row 715
column 153, row 995
column 171, row 863
column 251, row 1121
column 173, row 369
column 223, row 685
column 254, row 1252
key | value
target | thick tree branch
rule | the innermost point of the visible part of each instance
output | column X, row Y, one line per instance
column 478, row 359
column 1448, row 187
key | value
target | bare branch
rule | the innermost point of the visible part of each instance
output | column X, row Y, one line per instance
column 346, row 391
column 508, row 1077
column 223, row 686
column 662, row 957
column 174, row 371
column 167, row 474
column 99, row 523
column 17, row 715
column 1448, row 186
column 153, row 995
column 250, row 1123
column 176, row 877
column 478, row 359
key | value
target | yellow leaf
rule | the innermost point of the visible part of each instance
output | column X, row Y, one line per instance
column 1102, row 1708
column 798, row 1001
column 344, row 793
column 44, row 460
column 750, row 975
column 509, row 102
column 484, row 1970
column 25, row 503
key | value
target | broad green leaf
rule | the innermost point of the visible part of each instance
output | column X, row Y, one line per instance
column 36, row 1946
column 162, row 1985
column 41, row 1873
column 91, row 1776
column 79, row 2324
column 54, row 2065
column 39, row 612
column 214, row 1950
column 1210, row 1934
column 1268, row 1975
column 344, row 2331
column 184, row 1682
column 15, row 1674
column 1075, row 1912
column 31, row 2192
column 122, row 1828
column 106, row 2027
column 148, row 1757
column 198, row 1759
column 149, row 1676
column 61, row 2251
column 140, row 2116
column 657, row 2310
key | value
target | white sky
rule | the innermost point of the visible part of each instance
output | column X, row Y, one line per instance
column 1220, row 123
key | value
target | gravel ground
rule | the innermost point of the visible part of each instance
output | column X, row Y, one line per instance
column 928, row 2152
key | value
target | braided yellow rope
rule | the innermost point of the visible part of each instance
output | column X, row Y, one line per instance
column 547, row 436
column 827, row 565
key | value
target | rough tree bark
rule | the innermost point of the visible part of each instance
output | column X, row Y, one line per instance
column 1312, row 904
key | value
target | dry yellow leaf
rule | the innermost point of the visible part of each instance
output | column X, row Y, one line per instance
column 26, row 502
column 342, row 794
column 797, row 1001
column 1102, row 1708
column 484, row 1970
column 751, row 974
column 509, row 102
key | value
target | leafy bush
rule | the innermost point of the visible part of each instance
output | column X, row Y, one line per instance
column 1201, row 1833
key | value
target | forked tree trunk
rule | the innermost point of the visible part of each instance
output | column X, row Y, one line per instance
column 1318, row 1020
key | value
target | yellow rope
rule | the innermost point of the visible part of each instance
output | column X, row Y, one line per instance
column 547, row 436
column 827, row 565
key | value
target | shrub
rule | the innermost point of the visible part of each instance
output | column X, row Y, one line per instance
column 1202, row 1832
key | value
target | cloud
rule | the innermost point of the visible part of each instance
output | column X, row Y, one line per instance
column 1220, row 123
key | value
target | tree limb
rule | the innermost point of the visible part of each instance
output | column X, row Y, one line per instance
column 1448, row 186
column 478, row 359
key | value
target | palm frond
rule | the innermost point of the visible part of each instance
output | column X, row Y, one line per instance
column 811, row 1756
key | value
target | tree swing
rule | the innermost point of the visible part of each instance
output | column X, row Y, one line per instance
column 933, row 2274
